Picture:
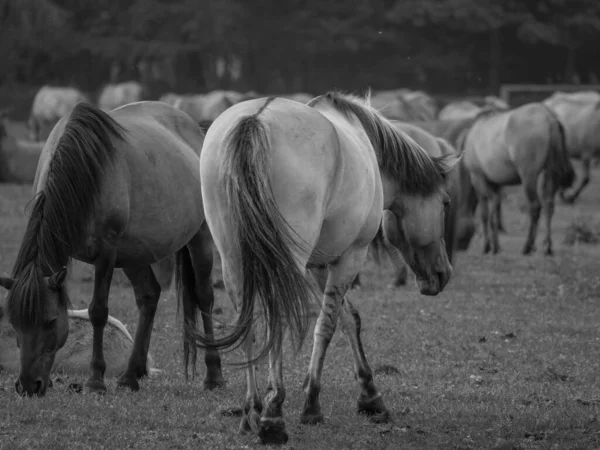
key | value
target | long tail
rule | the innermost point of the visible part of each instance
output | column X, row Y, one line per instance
column 266, row 241
column 558, row 162
column 185, row 282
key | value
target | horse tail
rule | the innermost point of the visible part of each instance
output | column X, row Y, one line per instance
column 558, row 163
column 185, row 282
column 266, row 244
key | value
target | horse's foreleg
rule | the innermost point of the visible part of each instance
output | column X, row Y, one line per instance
column 201, row 254
column 586, row 159
column 272, row 423
column 535, row 208
column 548, row 193
column 98, row 312
column 253, row 406
column 369, row 401
column 147, row 292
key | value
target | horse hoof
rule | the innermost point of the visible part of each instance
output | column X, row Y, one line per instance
column 250, row 423
column 96, row 387
column 131, row 383
column 272, row 431
column 548, row 252
column 375, row 409
column 486, row 249
column 217, row 383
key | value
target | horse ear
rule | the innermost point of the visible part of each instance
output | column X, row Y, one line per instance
column 7, row 283
column 446, row 163
column 58, row 278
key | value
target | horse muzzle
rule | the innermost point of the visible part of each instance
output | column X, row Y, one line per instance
column 30, row 387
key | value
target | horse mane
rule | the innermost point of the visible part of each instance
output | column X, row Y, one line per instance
column 205, row 125
column 62, row 209
column 397, row 154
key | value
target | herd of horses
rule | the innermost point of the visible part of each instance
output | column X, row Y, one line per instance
column 292, row 194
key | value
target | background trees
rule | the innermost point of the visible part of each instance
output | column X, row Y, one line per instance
column 443, row 46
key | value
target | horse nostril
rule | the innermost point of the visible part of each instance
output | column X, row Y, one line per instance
column 19, row 387
column 39, row 385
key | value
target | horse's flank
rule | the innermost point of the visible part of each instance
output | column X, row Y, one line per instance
column 70, row 188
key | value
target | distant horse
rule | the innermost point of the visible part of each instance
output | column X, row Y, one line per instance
column 435, row 147
column 118, row 189
column 579, row 112
column 518, row 147
column 288, row 186
column 74, row 357
column 49, row 105
column 114, row 95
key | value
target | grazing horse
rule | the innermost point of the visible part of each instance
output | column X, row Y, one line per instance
column 517, row 147
column 435, row 147
column 74, row 357
column 288, row 186
column 118, row 189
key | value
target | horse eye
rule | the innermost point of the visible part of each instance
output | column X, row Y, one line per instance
column 50, row 323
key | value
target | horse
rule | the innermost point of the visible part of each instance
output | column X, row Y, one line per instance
column 49, row 105
column 579, row 112
column 520, row 146
column 290, row 188
column 435, row 147
column 114, row 95
column 74, row 357
column 116, row 190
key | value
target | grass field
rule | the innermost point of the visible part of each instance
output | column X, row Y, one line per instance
column 506, row 357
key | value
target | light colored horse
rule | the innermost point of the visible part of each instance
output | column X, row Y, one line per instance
column 116, row 190
column 202, row 107
column 523, row 146
column 580, row 114
column 393, row 105
column 74, row 357
column 114, row 95
column 462, row 109
column 49, row 105
column 436, row 148
column 287, row 187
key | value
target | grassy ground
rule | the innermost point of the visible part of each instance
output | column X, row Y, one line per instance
column 506, row 357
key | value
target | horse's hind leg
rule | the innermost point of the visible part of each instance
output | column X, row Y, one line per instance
column 369, row 401
column 548, row 193
column 482, row 190
column 535, row 207
column 98, row 312
column 147, row 293
column 201, row 253
column 335, row 287
column 272, row 423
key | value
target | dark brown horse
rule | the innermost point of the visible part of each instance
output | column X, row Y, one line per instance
column 118, row 189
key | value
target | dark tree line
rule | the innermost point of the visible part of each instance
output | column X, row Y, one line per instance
column 443, row 46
